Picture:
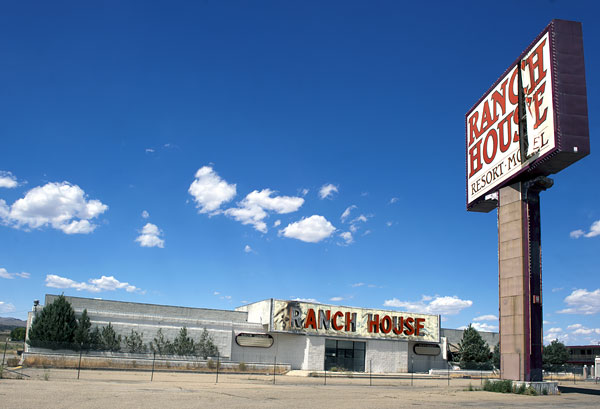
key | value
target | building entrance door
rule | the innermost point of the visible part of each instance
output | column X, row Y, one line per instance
column 345, row 355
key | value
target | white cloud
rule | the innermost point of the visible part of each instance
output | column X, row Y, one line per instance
column 489, row 317
column 389, row 224
column 327, row 190
column 94, row 285
column 253, row 209
column 347, row 237
column 357, row 284
column 145, row 214
column 311, row 229
column 347, row 213
column 149, row 150
column 579, row 329
column 482, row 326
column 575, row 234
column 150, row 236
column 210, row 191
column 7, row 180
column 394, row 200
column 61, row 205
column 305, row 300
column 6, row 307
column 5, row 274
column 248, row 249
column 439, row 305
column 304, row 192
column 336, row 299
column 582, row 301
column 216, row 293
column 594, row 231
column 277, row 223
column 555, row 290
column 555, row 333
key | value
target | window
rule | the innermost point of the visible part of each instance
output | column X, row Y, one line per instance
column 344, row 355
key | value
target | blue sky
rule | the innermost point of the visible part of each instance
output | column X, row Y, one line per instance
column 210, row 154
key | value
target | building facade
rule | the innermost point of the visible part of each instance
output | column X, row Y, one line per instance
column 306, row 336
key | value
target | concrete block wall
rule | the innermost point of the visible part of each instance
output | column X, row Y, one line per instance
column 314, row 354
column 386, row 356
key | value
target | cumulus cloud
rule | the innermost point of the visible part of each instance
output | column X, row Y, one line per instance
column 555, row 333
column 327, row 191
column 311, row 229
column 60, row 205
column 6, row 307
column 94, row 285
column 150, row 236
column 357, row 284
column 7, row 180
column 210, row 191
column 277, row 223
column 593, row 232
column 394, row 200
column 347, row 237
column 489, row 317
column 145, row 214
column 253, row 209
column 582, row 301
column 5, row 274
column 248, row 249
column 346, row 213
column 482, row 326
column 438, row 305
column 149, row 150
column 336, row 299
column 304, row 192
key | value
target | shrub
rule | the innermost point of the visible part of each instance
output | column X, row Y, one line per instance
column 503, row 386
column 134, row 343
column 242, row 367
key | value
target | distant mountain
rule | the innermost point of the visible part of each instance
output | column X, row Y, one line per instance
column 10, row 323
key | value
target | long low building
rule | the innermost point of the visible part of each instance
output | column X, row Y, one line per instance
column 307, row 336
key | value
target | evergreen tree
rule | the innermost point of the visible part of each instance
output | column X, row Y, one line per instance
column 474, row 352
column 54, row 326
column 184, row 345
column 554, row 356
column 110, row 340
column 95, row 339
column 496, row 356
column 206, row 345
column 82, row 333
column 135, row 342
column 161, row 345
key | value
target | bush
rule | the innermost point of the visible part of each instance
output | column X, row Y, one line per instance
column 210, row 364
column 184, row 345
column 110, row 340
column 503, row 386
column 242, row 367
column 18, row 334
column 134, row 343
column 161, row 345
column 206, row 346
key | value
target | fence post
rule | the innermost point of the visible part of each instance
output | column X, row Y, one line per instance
column 412, row 370
column 573, row 378
column 274, row 368
column 326, row 374
column 3, row 356
column 448, row 372
column 153, row 359
column 79, row 365
column 218, row 364
column 481, row 377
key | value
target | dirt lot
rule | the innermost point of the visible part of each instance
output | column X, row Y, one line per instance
column 115, row 389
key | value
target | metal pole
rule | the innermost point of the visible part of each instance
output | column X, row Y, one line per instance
column 448, row 370
column 79, row 366
column 3, row 356
column 153, row 359
column 481, row 377
column 274, row 368
column 412, row 369
column 218, row 364
column 326, row 375
column 370, row 372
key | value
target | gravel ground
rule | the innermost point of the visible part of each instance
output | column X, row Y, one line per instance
column 127, row 390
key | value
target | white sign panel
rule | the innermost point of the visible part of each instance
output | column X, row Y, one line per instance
column 330, row 320
column 493, row 147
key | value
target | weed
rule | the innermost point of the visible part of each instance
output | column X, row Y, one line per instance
column 46, row 375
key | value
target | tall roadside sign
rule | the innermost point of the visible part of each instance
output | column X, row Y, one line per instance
column 531, row 123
